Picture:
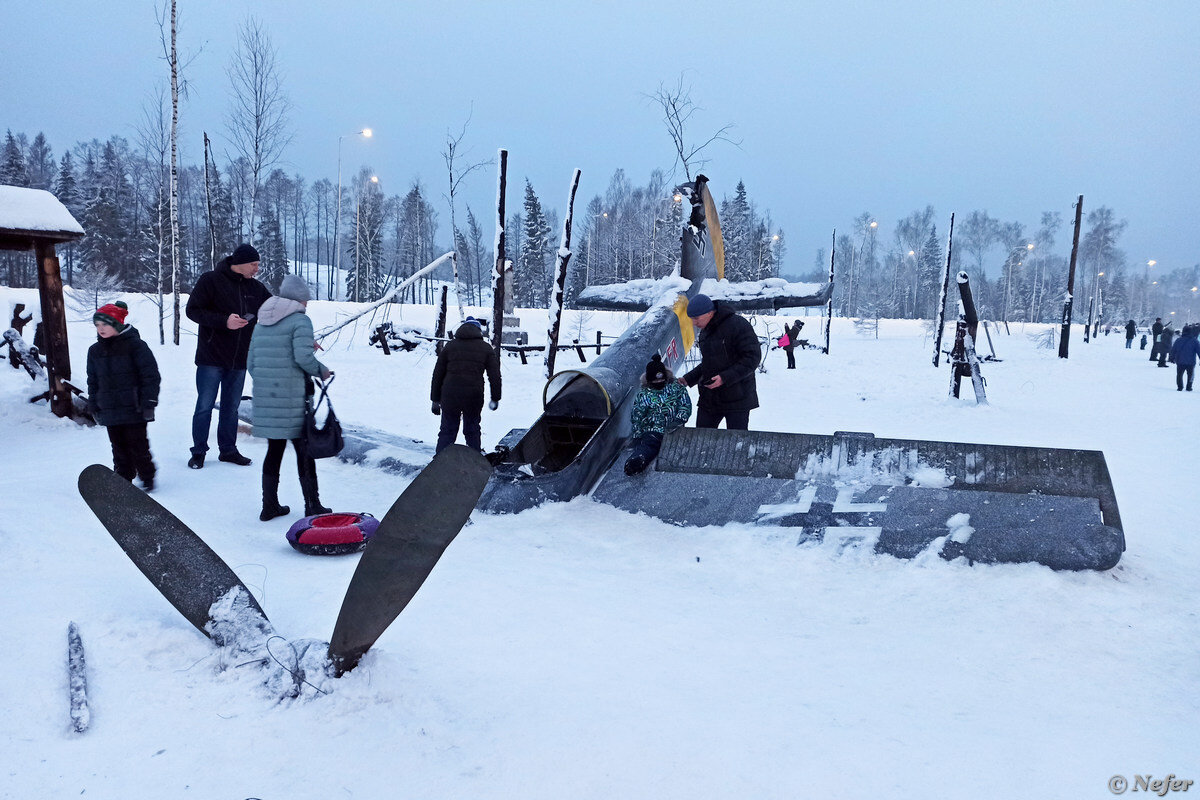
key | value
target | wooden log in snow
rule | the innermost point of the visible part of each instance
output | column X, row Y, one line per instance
column 81, row 715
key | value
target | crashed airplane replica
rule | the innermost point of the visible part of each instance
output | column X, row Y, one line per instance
column 902, row 497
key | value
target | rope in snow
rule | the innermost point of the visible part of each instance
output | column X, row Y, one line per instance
column 297, row 674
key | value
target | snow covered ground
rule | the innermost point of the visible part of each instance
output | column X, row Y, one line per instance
column 576, row 651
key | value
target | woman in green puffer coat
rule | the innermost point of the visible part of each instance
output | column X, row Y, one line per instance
column 280, row 362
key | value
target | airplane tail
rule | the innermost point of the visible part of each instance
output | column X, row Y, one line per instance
column 703, row 249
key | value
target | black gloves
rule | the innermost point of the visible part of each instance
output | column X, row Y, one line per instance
column 436, row 408
column 148, row 413
column 493, row 404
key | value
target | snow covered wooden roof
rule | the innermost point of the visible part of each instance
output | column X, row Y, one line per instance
column 27, row 215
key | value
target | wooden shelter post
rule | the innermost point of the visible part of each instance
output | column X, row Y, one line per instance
column 54, row 327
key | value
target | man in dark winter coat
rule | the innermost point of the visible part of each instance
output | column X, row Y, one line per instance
column 457, row 391
column 1164, row 344
column 1184, row 353
column 1156, row 338
column 729, row 355
column 224, row 303
column 123, row 383
column 1130, row 332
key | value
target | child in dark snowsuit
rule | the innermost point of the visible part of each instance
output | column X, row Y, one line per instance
column 457, row 389
column 660, row 407
column 123, row 382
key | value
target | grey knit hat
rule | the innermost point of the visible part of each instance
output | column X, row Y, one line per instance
column 293, row 287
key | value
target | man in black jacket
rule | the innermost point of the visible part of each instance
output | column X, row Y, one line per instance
column 1156, row 338
column 729, row 355
column 457, row 391
column 224, row 303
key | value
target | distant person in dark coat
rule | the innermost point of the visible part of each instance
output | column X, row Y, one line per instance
column 1184, row 353
column 1130, row 332
column 280, row 361
column 660, row 407
column 457, row 390
column 123, row 383
column 1142, row 344
column 792, row 332
column 729, row 355
column 1156, row 338
column 1164, row 345
column 224, row 303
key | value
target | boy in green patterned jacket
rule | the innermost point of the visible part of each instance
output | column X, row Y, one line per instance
column 660, row 407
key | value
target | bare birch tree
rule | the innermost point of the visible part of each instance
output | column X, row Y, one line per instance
column 449, row 154
column 171, row 56
column 678, row 109
column 258, row 119
column 155, row 137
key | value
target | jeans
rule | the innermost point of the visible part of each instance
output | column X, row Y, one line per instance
column 208, row 381
column 1128, row 344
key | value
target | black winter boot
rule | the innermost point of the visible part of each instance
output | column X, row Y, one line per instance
column 312, row 499
column 271, row 508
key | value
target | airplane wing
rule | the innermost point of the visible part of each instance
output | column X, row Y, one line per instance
column 641, row 294
column 902, row 497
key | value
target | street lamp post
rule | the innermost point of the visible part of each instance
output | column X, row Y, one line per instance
column 1146, row 286
column 337, row 219
column 916, row 281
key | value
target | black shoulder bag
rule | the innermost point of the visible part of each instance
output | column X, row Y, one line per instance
column 325, row 440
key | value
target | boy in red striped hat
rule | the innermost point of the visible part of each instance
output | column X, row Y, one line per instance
column 123, row 383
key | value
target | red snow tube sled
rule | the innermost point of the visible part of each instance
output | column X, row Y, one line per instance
column 332, row 534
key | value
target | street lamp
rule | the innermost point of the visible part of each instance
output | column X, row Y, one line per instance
column 337, row 220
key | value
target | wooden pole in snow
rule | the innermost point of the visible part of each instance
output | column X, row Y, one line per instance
column 54, row 327
column 560, row 280
column 441, row 321
column 1068, row 301
column 829, row 305
column 940, row 317
column 212, row 231
column 498, row 255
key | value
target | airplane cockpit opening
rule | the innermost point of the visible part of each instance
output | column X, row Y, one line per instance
column 576, row 405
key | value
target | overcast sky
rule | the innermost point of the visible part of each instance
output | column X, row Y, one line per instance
column 840, row 107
